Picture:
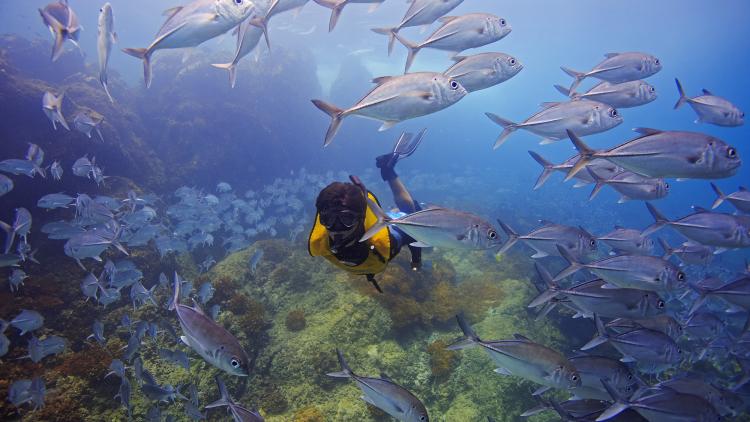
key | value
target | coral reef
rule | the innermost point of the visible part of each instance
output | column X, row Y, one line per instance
column 442, row 361
column 295, row 320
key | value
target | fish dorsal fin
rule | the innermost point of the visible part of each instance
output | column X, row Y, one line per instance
column 544, row 222
column 610, row 55
column 647, row 131
column 521, row 337
column 446, row 19
column 197, row 307
column 698, row 209
column 742, row 189
column 618, row 227
column 381, row 79
column 385, row 376
column 171, row 11
column 706, row 92
column 548, row 104
column 458, row 58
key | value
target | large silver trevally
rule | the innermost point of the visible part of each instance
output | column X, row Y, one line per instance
column 62, row 23
column 580, row 116
column 421, row 12
column 711, row 108
column 629, row 271
column 601, row 166
column 663, row 405
column 104, row 40
column 337, row 6
column 484, row 70
column 523, row 358
column 591, row 298
column 52, row 107
column 706, row 227
column 193, row 24
column 618, row 68
column 622, row 95
column 459, row 33
column 631, row 186
column 623, row 241
column 398, row 98
column 593, row 369
column 248, row 35
column 663, row 323
column 213, row 342
column 545, row 240
column 385, row 394
column 439, row 227
column 657, row 153
column 740, row 199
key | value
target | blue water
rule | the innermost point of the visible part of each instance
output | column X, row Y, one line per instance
column 266, row 128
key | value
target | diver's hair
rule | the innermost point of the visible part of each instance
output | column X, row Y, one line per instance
column 341, row 195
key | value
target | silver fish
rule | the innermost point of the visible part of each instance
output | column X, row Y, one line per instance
column 690, row 253
column 248, row 35
column 40, row 349
column 439, row 227
column 97, row 332
column 594, row 368
column 86, row 121
column 27, row 321
column 704, row 325
column 662, row 323
column 20, row 227
column 177, row 357
column 52, row 107
column 629, row 271
column 711, row 108
column 62, row 23
column 696, row 386
column 56, row 170
column 552, row 122
column 398, row 98
column 740, row 199
column 17, row 276
column 124, row 394
column 6, row 184
column 193, row 24
column 658, row 153
column 736, row 292
column 624, row 241
column 116, row 367
column 255, row 260
column 631, row 186
column 239, row 413
column 663, row 405
column 35, row 154
column 140, row 295
column 602, row 167
column 546, row 239
column 105, row 38
column 17, row 166
column 618, row 68
column 459, row 33
column 385, row 394
column 622, row 95
column 55, row 200
column 162, row 393
column 214, row 343
column 524, row 358
column 706, row 227
column 592, row 298
column 337, row 6
column 420, row 12
column 484, row 70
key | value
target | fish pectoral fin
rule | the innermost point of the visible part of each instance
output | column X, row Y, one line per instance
column 543, row 389
column 387, row 125
column 540, row 254
column 419, row 244
column 502, row 371
column 368, row 400
column 628, row 359
column 609, row 286
column 538, row 123
column 184, row 340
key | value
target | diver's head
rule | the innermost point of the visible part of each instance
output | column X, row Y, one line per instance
column 341, row 208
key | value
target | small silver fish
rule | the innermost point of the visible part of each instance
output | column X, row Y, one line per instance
column 622, row 95
column 337, row 6
column 618, row 68
column 62, row 23
column 105, row 38
column 706, row 227
column 86, row 121
column 420, row 12
column 484, row 70
column 239, row 413
column 6, row 184
column 711, row 108
column 740, row 199
column 623, row 240
column 248, row 35
column 27, row 321
column 546, row 239
column 631, row 186
column 52, row 107
column 56, row 170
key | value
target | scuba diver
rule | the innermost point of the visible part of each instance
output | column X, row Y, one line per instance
column 343, row 216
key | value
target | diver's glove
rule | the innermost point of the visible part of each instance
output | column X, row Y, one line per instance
column 404, row 147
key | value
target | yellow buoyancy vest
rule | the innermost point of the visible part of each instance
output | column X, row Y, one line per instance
column 379, row 245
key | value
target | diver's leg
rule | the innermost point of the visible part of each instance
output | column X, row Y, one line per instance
column 401, row 196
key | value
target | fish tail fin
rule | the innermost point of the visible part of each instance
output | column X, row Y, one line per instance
column 552, row 288
column 566, row 92
column 59, row 31
column 391, row 33
column 469, row 339
column 599, row 183
column 337, row 116
column 10, row 235
column 382, row 222
column 512, row 237
column 547, row 169
column 574, row 266
column 577, row 77
column 145, row 55
column 683, row 98
column 231, row 68
column 621, row 404
column 262, row 23
column 103, row 81
column 345, row 372
column 336, row 7
column 412, row 49
column 176, row 296
column 586, row 153
column 601, row 335
column 224, row 400
column 31, row 256
column 508, row 128
column 668, row 251
column 720, row 196
column 660, row 220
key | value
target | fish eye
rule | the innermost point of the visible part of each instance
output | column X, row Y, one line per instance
column 666, row 185
column 731, row 152
column 660, row 304
column 492, row 234
column 502, row 22
column 574, row 378
column 613, row 112
column 681, row 276
column 422, row 418
column 234, row 362
column 238, row 2
column 742, row 114
column 454, row 85
column 512, row 61
column 592, row 242
column 652, row 89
